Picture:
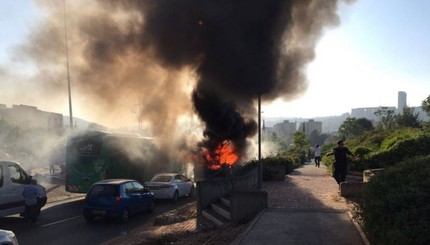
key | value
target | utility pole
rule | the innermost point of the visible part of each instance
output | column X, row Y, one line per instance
column 260, row 164
column 68, row 73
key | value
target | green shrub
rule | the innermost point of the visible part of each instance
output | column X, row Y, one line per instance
column 289, row 162
column 361, row 153
column 395, row 205
column 407, row 148
column 398, row 136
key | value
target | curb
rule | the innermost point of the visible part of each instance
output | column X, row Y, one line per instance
column 61, row 199
column 359, row 230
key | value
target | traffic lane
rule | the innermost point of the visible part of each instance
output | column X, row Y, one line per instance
column 76, row 230
column 63, row 223
column 51, row 212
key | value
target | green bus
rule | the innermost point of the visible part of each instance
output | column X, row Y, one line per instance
column 92, row 156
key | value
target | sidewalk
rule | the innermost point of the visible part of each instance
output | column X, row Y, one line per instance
column 306, row 208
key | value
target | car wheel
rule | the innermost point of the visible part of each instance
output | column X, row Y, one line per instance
column 89, row 218
column 151, row 207
column 125, row 214
column 191, row 192
column 175, row 196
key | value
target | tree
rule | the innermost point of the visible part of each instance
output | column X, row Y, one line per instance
column 352, row 127
column 409, row 118
column 425, row 105
column 300, row 145
column 387, row 120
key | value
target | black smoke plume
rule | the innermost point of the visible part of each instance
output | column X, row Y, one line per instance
column 123, row 51
column 240, row 49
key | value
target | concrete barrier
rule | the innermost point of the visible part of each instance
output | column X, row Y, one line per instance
column 274, row 173
column 245, row 205
column 369, row 173
column 209, row 191
column 348, row 189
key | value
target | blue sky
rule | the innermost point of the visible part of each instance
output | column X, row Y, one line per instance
column 381, row 47
column 16, row 19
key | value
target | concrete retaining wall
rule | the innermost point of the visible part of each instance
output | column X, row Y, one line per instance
column 244, row 205
column 209, row 191
column 274, row 173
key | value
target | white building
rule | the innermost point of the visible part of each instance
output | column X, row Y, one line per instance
column 310, row 126
column 31, row 117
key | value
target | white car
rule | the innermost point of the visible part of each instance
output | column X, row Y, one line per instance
column 170, row 186
column 8, row 238
column 13, row 179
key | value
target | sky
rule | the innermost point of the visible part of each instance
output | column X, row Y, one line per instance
column 379, row 48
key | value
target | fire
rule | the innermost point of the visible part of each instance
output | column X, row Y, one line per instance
column 223, row 154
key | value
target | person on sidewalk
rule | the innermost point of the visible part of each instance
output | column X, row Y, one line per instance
column 30, row 193
column 317, row 154
column 340, row 161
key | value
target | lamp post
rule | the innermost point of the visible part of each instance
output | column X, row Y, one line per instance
column 68, row 73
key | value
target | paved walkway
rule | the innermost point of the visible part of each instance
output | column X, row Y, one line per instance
column 306, row 208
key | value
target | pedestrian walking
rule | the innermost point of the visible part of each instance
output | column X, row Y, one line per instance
column 341, row 161
column 51, row 168
column 317, row 154
column 30, row 193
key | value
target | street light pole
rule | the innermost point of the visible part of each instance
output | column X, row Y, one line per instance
column 68, row 73
column 260, row 164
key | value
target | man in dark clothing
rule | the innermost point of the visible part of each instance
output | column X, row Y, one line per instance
column 31, row 193
column 341, row 162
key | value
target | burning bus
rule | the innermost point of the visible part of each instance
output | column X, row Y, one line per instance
column 92, row 156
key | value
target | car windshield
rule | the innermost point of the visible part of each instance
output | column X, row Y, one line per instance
column 104, row 190
column 161, row 178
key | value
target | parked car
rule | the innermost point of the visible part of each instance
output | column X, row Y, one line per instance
column 13, row 179
column 8, row 238
column 117, row 198
column 170, row 186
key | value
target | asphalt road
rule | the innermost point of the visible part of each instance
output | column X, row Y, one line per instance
column 62, row 223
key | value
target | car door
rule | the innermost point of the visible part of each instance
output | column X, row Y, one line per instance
column 180, row 184
column 144, row 201
column 187, row 185
column 18, row 180
column 4, row 193
column 133, row 197
column 13, row 182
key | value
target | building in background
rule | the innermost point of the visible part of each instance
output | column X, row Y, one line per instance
column 32, row 118
column 283, row 131
column 310, row 126
column 369, row 112
column 401, row 101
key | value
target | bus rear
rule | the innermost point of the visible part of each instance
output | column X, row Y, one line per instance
column 86, row 162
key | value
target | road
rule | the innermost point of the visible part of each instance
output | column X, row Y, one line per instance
column 62, row 223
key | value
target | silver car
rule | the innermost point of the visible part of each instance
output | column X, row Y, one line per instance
column 170, row 186
column 8, row 238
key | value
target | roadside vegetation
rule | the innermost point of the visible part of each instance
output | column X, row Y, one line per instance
column 395, row 204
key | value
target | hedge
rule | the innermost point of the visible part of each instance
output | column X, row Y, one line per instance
column 395, row 205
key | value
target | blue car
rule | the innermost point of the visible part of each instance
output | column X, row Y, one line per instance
column 117, row 198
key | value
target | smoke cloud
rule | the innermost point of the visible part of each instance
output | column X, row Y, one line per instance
column 158, row 60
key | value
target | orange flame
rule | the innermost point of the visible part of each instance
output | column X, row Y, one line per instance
column 223, row 154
